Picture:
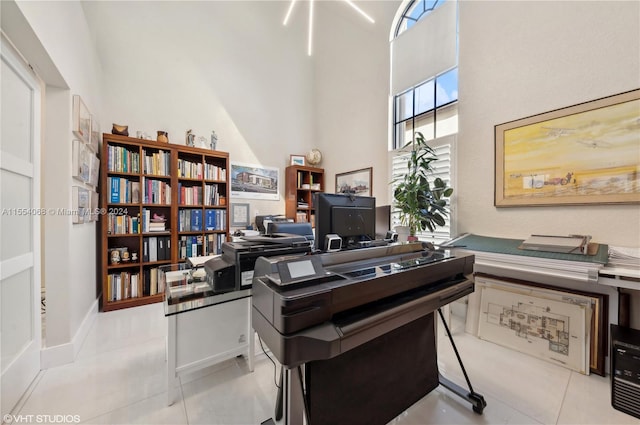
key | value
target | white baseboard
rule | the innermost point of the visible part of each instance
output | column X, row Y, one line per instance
column 66, row 353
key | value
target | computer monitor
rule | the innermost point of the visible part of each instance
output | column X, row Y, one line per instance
column 352, row 218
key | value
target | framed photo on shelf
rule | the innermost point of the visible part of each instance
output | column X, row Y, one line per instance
column 81, row 119
column 240, row 215
column 581, row 154
column 250, row 181
column 357, row 182
column 298, row 160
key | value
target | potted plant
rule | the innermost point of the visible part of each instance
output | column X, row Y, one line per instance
column 421, row 205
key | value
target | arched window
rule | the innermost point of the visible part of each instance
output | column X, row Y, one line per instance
column 424, row 84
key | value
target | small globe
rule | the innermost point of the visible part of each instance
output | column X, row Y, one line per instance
column 314, row 157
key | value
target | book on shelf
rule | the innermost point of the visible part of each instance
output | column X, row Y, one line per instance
column 157, row 226
column 122, row 285
column 196, row 220
column 210, row 220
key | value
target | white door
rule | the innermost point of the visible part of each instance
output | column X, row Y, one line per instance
column 19, row 228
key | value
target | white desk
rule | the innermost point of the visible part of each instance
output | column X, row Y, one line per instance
column 206, row 330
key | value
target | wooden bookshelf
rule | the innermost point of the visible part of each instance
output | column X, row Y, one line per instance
column 146, row 193
column 301, row 182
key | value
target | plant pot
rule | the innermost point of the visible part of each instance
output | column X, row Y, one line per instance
column 403, row 233
column 411, row 238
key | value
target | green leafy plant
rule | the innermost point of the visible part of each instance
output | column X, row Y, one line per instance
column 421, row 205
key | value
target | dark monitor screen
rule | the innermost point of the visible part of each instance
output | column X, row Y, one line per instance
column 351, row 217
column 383, row 221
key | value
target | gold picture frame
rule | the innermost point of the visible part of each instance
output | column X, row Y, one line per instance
column 583, row 154
column 357, row 182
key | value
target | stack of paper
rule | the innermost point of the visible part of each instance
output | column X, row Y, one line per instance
column 624, row 257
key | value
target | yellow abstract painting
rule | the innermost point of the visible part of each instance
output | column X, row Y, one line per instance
column 587, row 153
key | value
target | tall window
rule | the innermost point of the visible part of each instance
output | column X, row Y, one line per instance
column 431, row 108
column 425, row 87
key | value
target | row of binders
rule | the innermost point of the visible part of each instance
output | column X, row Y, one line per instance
column 192, row 220
column 156, row 248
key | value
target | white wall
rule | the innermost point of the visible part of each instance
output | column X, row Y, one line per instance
column 226, row 66
column 519, row 59
column 352, row 91
column 65, row 59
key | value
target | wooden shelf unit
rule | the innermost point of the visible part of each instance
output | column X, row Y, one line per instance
column 150, row 180
column 301, row 182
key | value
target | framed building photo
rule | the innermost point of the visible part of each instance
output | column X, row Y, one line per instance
column 250, row 181
column 240, row 215
column 583, row 154
column 81, row 119
column 298, row 160
column 357, row 182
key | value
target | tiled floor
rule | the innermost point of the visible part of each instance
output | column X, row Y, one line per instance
column 119, row 378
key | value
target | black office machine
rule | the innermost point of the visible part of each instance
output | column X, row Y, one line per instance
column 233, row 270
column 362, row 324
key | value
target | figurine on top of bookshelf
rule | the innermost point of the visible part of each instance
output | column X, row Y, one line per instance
column 202, row 142
column 121, row 130
column 190, row 138
column 163, row 137
column 214, row 140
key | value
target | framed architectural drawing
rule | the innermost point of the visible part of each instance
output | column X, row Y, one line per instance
column 357, row 182
column 95, row 137
column 598, row 303
column 81, row 119
column 583, row 154
column 94, row 170
column 254, row 182
column 81, row 203
column 240, row 215
column 543, row 328
column 81, row 161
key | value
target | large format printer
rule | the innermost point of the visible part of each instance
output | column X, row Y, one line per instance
column 354, row 330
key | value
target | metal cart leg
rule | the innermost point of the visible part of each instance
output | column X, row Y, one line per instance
column 477, row 401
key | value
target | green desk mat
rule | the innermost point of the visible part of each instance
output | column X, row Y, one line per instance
column 510, row 246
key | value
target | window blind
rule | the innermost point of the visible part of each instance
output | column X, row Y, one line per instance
column 442, row 169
